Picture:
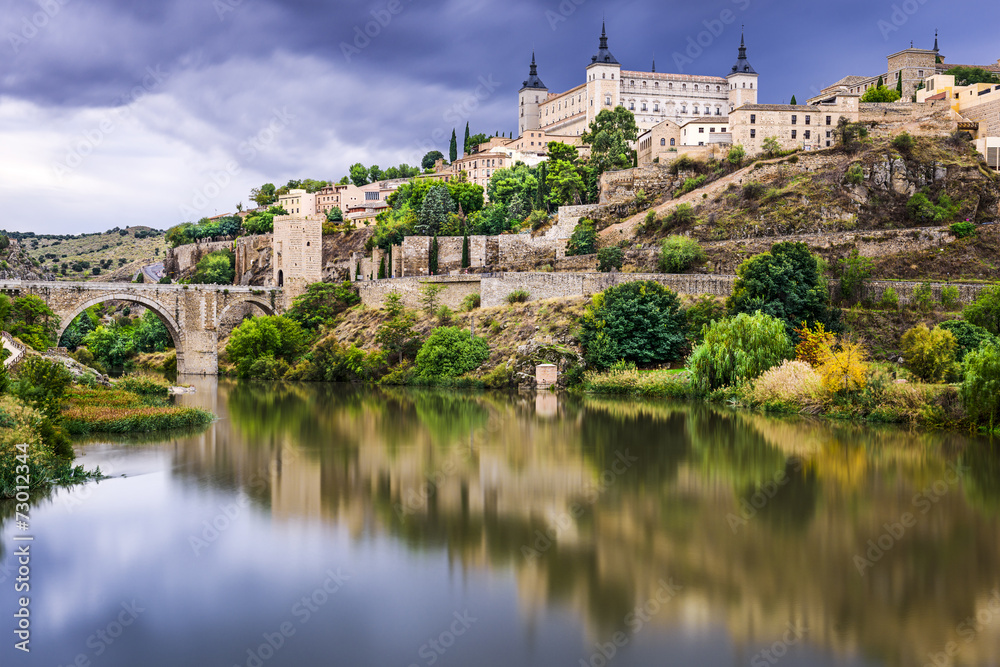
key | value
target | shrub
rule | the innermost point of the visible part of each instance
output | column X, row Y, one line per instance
column 429, row 294
column 683, row 163
column 639, row 322
column 753, row 190
column 785, row 283
column 844, row 369
column 332, row 361
column 144, row 385
column 923, row 298
column 963, row 229
column 583, row 240
column 518, row 296
column 928, row 353
column 42, row 384
column 921, row 209
column 903, row 142
column 690, row 184
column 472, row 301
column 450, row 352
column 736, row 155
column 443, row 314
column 650, row 220
column 680, row 253
column 793, row 382
column 985, row 310
column 215, row 268
column 682, row 214
column 276, row 336
column 321, row 303
column 855, row 271
column 610, row 258
column 738, row 349
column 968, row 336
column 950, row 297
column 980, row 389
column 889, row 300
column 855, row 175
column 813, row 344
column 703, row 311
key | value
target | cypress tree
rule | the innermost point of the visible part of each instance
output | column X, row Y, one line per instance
column 540, row 191
column 466, row 144
column 881, row 82
column 465, row 251
column 389, row 272
column 793, row 102
column 899, row 82
column 381, row 268
column 453, row 149
column 432, row 264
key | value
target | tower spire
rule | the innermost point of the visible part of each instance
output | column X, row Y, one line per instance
column 935, row 40
column 604, row 35
column 603, row 54
column 742, row 65
column 654, row 62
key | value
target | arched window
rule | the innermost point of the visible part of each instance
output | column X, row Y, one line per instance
column 671, row 142
column 663, row 142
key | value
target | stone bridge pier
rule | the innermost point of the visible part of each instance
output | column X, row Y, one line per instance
column 191, row 313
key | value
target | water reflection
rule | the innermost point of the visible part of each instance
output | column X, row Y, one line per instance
column 592, row 503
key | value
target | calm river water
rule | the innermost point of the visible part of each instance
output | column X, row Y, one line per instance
column 333, row 525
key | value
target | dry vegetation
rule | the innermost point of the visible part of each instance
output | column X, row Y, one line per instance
column 111, row 252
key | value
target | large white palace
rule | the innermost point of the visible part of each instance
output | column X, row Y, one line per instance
column 652, row 96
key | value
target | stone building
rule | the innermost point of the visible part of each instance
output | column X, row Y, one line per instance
column 977, row 104
column 802, row 126
column 297, row 253
column 652, row 96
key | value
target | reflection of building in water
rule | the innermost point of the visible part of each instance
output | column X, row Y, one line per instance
column 501, row 488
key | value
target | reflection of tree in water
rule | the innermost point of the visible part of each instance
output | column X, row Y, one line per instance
column 982, row 478
column 788, row 501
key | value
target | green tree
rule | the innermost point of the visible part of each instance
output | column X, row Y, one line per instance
column 359, row 174
column 980, row 389
column 784, row 283
column 541, row 190
column 450, row 352
column 880, row 94
column 151, row 334
column 215, row 268
column 434, row 210
column 472, row 143
column 565, row 184
column 271, row 337
column 381, row 268
column 431, row 157
column 967, row 76
column 855, row 271
column 432, row 262
column 793, row 102
column 928, row 353
column 639, row 322
column 610, row 137
column 465, row 144
column 849, row 134
column 880, row 83
column 396, row 335
column 899, row 83
column 736, row 155
column 985, row 310
column 322, row 303
column 265, row 195
column 29, row 318
column 610, row 258
column 42, row 384
column 771, row 146
column 738, row 349
column 680, row 253
column 968, row 336
column 375, row 174
column 453, row 147
column 335, row 214
column 467, row 196
column 112, row 345
column 466, row 263
column 583, row 240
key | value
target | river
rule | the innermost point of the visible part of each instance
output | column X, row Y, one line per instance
column 337, row 525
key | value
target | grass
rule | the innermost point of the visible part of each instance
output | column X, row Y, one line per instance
column 656, row 383
column 106, row 251
column 120, row 411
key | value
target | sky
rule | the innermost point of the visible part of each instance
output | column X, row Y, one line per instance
column 155, row 112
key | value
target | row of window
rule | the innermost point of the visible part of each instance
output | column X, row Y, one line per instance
column 795, row 119
column 670, row 86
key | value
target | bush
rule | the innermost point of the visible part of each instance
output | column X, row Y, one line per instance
column 703, row 311
column 680, row 253
column 985, row 310
column 903, row 142
column 968, row 337
column 923, row 298
column 215, row 268
column 639, row 321
column 889, row 300
column 813, row 344
column 583, row 240
column 682, row 214
column 963, row 229
column 449, row 352
column 844, row 369
column 921, row 209
column 610, row 258
column 736, row 155
column 855, row 271
column 928, row 353
column 518, row 296
column 738, row 349
column 690, row 184
column 855, row 175
column 472, row 301
column 793, row 383
column 785, row 283
column 950, row 297
column 753, row 190
column 980, row 389
column 276, row 336
column 322, row 303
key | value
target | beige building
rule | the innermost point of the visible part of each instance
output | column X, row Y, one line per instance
column 803, row 126
column 298, row 253
column 298, row 203
column 979, row 107
column 652, row 96
column 705, row 131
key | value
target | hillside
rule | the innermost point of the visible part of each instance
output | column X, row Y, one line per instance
column 115, row 255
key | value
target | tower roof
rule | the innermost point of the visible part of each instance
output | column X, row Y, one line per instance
column 742, row 65
column 533, row 81
column 603, row 54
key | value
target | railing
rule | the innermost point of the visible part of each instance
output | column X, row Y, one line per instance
column 16, row 351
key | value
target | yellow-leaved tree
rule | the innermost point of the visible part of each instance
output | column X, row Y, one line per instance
column 844, row 368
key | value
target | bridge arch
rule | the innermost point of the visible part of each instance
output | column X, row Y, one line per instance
column 175, row 331
column 224, row 327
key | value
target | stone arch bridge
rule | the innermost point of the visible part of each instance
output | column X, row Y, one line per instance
column 191, row 313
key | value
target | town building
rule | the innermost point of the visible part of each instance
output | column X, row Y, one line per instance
column 298, row 203
column 652, row 96
column 979, row 106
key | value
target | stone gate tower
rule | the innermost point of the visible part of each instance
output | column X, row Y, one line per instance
column 298, row 253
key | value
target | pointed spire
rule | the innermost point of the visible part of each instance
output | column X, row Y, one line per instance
column 604, row 36
column 534, row 67
column 742, row 66
column 654, row 62
column 603, row 54
column 935, row 40
column 533, row 81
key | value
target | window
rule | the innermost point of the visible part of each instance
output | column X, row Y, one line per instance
column 753, row 134
column 663, row 142
column 793, row 134
column 806, row 134
column 631, row 106
column 795, row 119
column 920, row 73
column 828, row 144
column 753, row 118
column 701, row 130
column 718, row 111
column 808, row 119
column 718, row 89
column 632, row 83
column 607, row 100
column 696, row 86
column 671, row 142
column 670, row 85
column 643, row 106
column 684, row 86
column 684, row 109
column 829, row 134
column 711, row 130
column 829, row 120
column 656, row 106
